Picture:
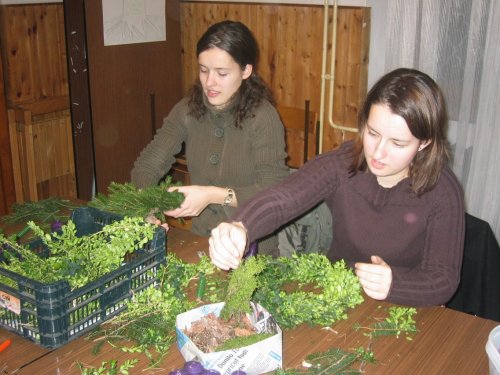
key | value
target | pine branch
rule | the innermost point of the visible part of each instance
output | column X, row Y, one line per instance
column 128, row 200
column 43, row 211
column 332, row 361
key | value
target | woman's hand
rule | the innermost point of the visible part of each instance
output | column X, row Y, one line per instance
column 196, row 199
column 375, row 277
column 227, row 245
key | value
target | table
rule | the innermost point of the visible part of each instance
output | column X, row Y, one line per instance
column 448, row 341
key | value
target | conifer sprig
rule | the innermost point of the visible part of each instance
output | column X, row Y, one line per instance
column 128, row 200
column 43, row 211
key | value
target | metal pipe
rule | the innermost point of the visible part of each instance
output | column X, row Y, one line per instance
column 330, row 76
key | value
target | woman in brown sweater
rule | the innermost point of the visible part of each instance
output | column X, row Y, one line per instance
column 397, row 208
column 234, row 139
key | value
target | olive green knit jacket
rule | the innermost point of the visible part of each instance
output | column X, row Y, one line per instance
column 247, row 159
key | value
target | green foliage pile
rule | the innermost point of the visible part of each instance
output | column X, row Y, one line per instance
column 149, row 320
column 78, row 260
column 307, row 288
column 126, row 199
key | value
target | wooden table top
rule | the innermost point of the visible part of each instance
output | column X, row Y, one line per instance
column 447, row 341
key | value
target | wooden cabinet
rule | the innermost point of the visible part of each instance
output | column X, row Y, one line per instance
column 119, row 93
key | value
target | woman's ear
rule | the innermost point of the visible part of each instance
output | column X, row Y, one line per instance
column 247, row 71
column 424, row 144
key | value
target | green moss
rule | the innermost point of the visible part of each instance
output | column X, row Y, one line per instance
column 241, row 342
column 242, row 284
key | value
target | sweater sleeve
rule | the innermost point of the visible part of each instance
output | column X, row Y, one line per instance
column 434, row 280
column 268, row 152
column 156, row 159
column 299, row 192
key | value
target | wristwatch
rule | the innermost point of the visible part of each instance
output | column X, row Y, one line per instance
column 229, row 197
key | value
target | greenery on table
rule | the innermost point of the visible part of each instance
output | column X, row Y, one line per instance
column 78, row 260
column 400, row 321
column 332, row 361
column 128, row 200
column 148, row 324
column 109, row 368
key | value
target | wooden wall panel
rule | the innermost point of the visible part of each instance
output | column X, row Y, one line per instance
column 290, row 36
column 290, row 39
column 34, row 52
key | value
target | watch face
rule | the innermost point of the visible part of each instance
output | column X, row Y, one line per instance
column 229, row 197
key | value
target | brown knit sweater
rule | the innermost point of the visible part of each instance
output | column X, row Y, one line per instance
column 421, row 238
column 247, row 159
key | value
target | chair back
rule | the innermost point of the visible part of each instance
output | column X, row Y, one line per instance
column 301, row 133
column 479, row 290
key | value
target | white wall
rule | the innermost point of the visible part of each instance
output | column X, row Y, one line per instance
column 377, row 41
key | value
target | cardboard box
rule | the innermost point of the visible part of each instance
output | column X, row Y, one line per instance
column 263, row 356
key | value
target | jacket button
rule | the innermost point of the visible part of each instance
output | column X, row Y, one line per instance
column 219, row 132
column 214, row 159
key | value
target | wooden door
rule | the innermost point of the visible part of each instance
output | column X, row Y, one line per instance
column 7, row 190
column 131, row 87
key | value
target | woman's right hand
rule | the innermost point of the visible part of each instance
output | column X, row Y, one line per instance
column 227, row 245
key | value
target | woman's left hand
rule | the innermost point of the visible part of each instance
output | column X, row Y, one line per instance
column 375, row 277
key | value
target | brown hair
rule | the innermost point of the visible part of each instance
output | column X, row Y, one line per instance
column 237, row 40
column 415, row 97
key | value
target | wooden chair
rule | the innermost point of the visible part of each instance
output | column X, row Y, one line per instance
column 301, row 134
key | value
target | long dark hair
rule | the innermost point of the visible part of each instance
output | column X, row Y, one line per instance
column 417, row 98
column 237, row 40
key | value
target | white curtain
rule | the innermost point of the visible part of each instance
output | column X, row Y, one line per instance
column 457, row 42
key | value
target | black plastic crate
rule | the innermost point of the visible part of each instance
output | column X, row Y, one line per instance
column 52, row 315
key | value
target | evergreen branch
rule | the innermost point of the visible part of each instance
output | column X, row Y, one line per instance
column 43, row 212
column 128, row 200
column 332, row 361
